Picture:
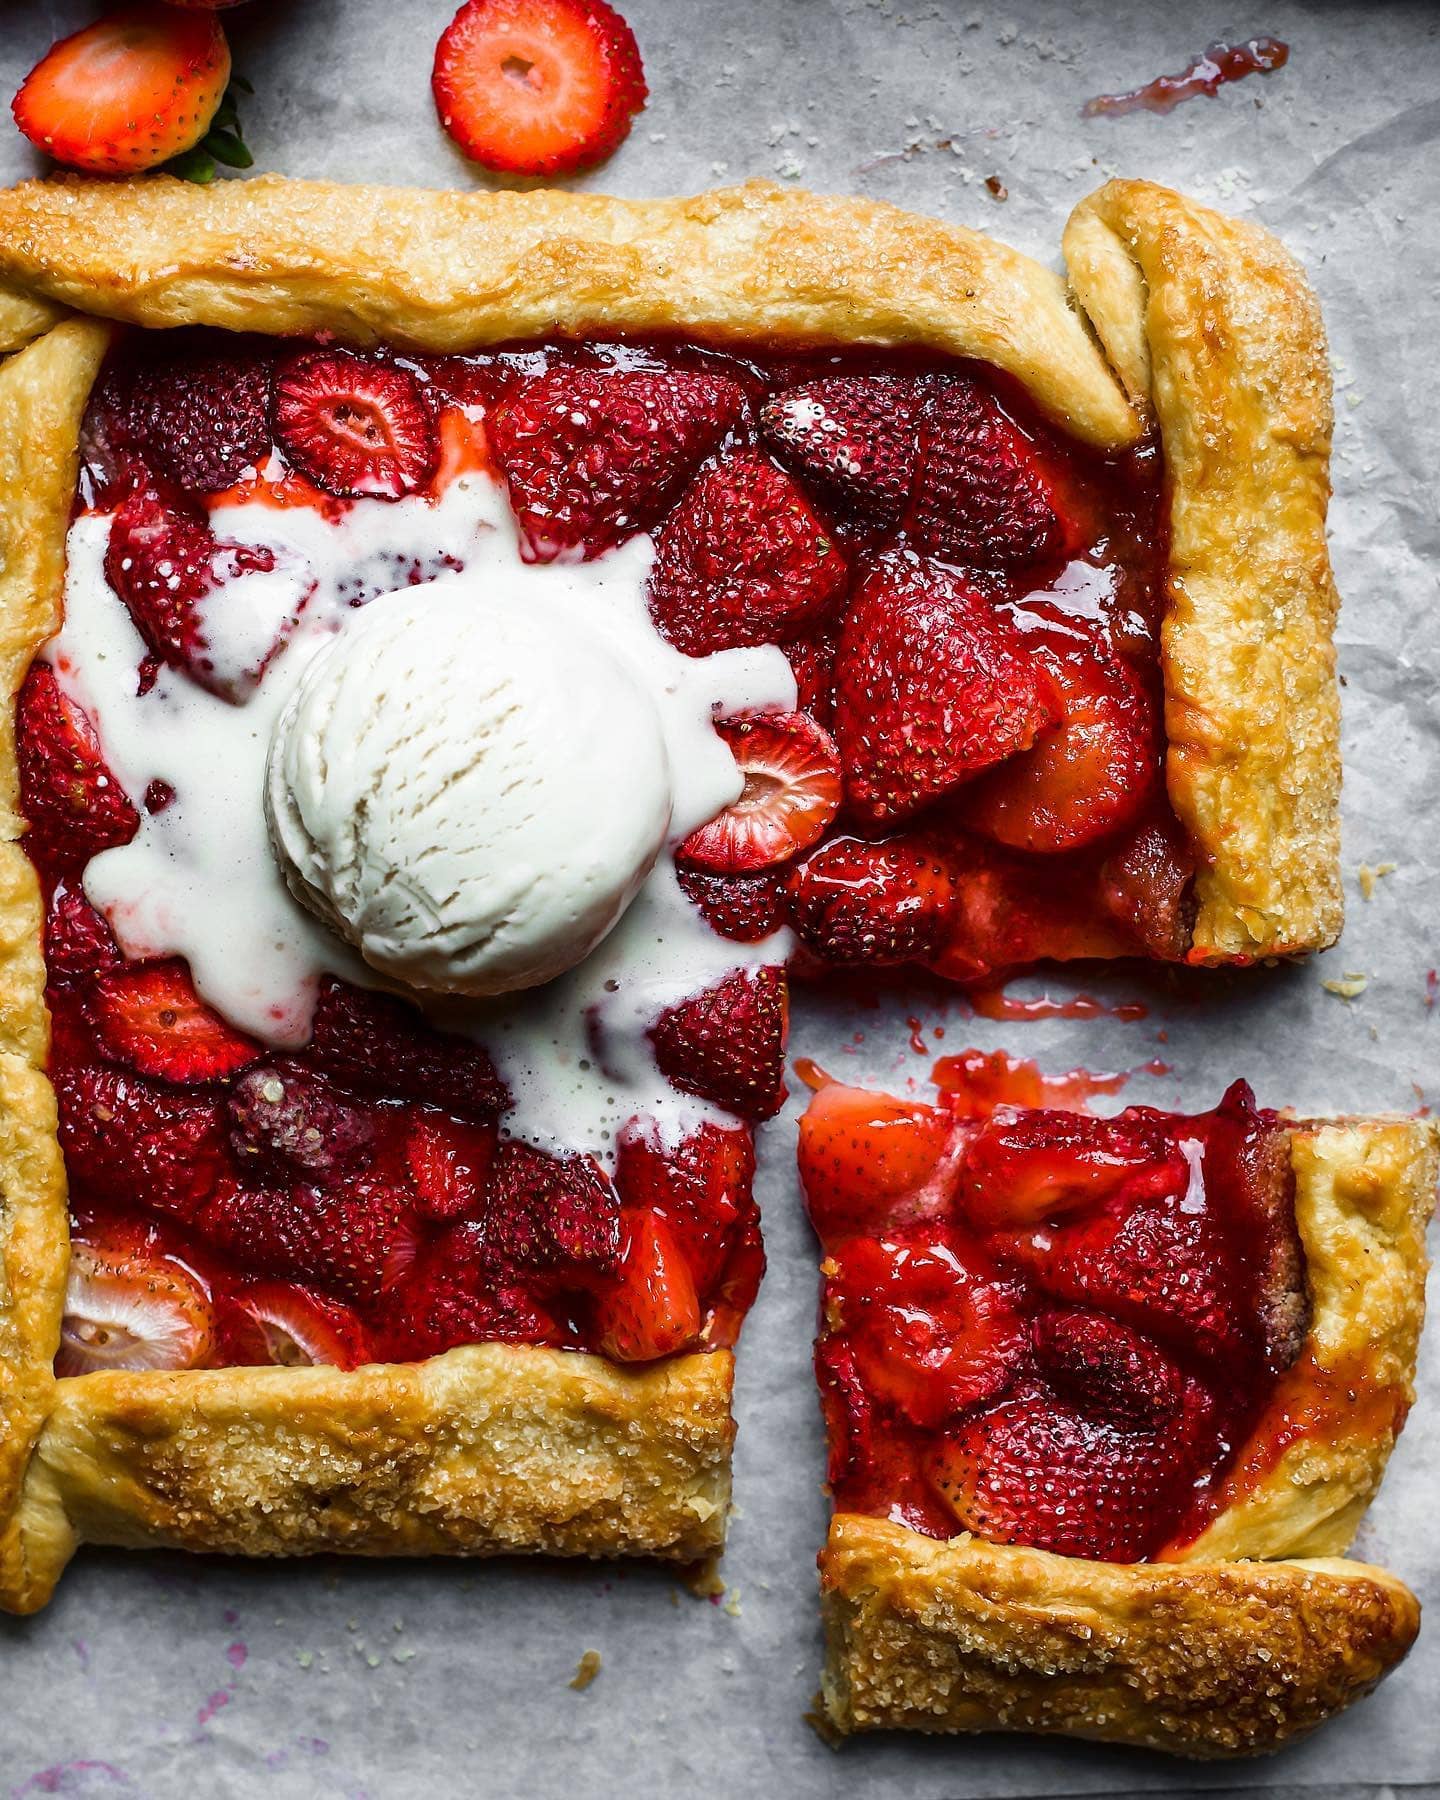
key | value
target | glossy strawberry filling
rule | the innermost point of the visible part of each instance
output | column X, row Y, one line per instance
column 1044, row 1327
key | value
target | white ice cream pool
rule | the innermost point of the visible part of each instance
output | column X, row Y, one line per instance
column 469, row 786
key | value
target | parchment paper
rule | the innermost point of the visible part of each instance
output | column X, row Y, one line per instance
column 159, row 1675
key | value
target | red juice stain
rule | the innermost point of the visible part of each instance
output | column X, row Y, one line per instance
column 917, row 1036
column 975, row 1082
column 1203, row 74
column 809, row 1073
column 994, row 1003
column 1432, row 989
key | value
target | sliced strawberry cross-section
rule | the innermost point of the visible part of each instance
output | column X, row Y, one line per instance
column 354, row 425
column 75, row 806
column 728, row 1043
column 743, row 559
column 649, row 1308
column 791, row 793
column 149, row 1017
column 594, row 455
column 931, row 688
column 128, row 1306
column 282, row 1323
column 857, row 902
column 851, row 435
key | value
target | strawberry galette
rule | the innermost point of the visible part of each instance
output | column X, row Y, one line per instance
column 465, row 649
column 1092, row 1387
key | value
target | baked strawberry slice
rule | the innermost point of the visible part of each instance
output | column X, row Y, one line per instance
column 1024, row 1169
column 449, row 1298
column 383, row 1047
column 933, row 1331
column 982, row 498
column 854, row 436
column 593, row 455
column 931, row 688
column 867, row 1159
column 1088, row 775
column 700, row 1188
column 538, row 87
column 130, row 1142
column 78, row 940
column 127, row 1306
column 149, row 1017
column 130, row 91
column 812, row 660
column 856, row 902
column 1107, row 1369
column 791, row 793
column 728, row 1044
column 1147, row 886
column 549, row 1215
column 281, row 1323
column 849, row 1414
column 449, row 1163
column 75, row 806
column 353, row 425
column 356, row 1235
column 289, row 1124
column 192, row 415
column 163, row 560
column 743, row 908
column 649, row 1307
column 743, row 559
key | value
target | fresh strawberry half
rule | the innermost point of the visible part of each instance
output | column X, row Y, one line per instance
column 743, row 908
column 856, row 902
column 791, row 793
column 130, row 91
column 700, row 1189
column 150, row 1018
column 78, row 940
column 163, row 559
column 981, row 497
column 930, row 689
column 538, row 87
column 75, row 806
column 1147, row 886
column 129, row 1307
column 863, row 1156
column 1089, row 774
column 130, row 1142
column 383, row 1047
column 289, row 1124
column 728, row 1044
column 282, row 1323
column 591, row 456
column 356, row 1235
column 743, row 559
column 450, row 1298
column 1025, row 1168
column 196, row 416
column 449, row 1163
column 354, row 426
column 649, row 1308
column 852, row 435
column 549, row 1214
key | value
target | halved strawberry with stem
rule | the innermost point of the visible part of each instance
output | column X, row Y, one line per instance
column 128, row 1306
column 728, row 1043
column 354, row 425
column 743, row 559
column 150, row 1018
column 593, row 455
column 75, row 806
column 856, row 902
column 791, row 793
column 853, row 435
column 130, row 91
column 282, row 1323
column 863, row 1155
column 649, row 1308
column 537, row 87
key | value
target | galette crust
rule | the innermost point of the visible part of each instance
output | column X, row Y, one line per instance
column 1211, row 323
column 1219, row 1647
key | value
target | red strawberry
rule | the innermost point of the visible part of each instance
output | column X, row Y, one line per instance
column 791, row 793
column 356, row 1235
column 932, row 1331
column 538, row 87
column 131, row 1142
column 1033, row 1470
column 150, row 1018
column 981, row 497
column 649, row 1307
column 162, row 560
column 701, row 1189
column 728, row 1043
column 289, row 1124
column 193, row 415
column 866, row 1160
column 75, row 806
column 1147, row 886
column 743, row 908
column 129, row 1307
column 382, row 1046
column 853, row 435
column 1086, row 776
column 449, row 1163
column 279, row 1322
column 1108, row 1370
column 849, row 1415
column 813, row 662
column 549, row 1214
column 134, row 89
column 857, row 902
column 930, row 689
column 78, row 941
column 354, row 426
column 449, row 1298
column 1024, row 1169
column 592, row 456
column 743, row 559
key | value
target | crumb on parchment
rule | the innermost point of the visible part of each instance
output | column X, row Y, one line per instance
column 1350, row 987
column 1369, row 874
column 586, row 1670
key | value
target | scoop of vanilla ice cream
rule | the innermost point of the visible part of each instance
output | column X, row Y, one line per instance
column 468, row 786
